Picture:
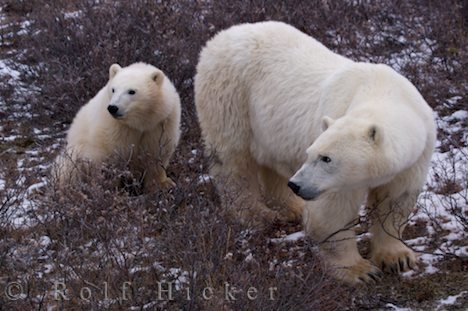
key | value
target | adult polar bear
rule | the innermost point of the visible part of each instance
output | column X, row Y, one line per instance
column 273, row 103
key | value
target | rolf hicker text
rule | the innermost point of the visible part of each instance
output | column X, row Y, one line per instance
column 165, row 291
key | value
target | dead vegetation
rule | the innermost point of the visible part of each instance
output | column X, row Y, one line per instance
column 94, row 238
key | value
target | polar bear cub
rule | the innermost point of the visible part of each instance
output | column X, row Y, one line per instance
column 278, row 109
column 137, row 115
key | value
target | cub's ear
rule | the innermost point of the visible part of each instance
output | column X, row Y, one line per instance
column 158, row 77
column 327, row 122
column 374, row 133
column 114, row 68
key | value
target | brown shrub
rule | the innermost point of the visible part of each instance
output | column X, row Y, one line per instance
column 100, row 234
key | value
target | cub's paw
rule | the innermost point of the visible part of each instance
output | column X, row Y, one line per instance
column 362, row 272
column 168, row 183
column 394, row 258
column 155, row 186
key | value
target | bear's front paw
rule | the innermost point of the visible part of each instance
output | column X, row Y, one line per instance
column 394, row 258
column 361, row 272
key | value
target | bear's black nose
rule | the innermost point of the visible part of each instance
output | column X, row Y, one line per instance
column 294, row 187
column 112, row 109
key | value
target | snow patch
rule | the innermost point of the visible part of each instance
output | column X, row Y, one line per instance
column 204, row 179
column 450, row 300
column 6, row 69
column 396, row 308
column 293, row 237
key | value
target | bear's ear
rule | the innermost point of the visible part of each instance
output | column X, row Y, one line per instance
column 114, row 68
column 375, row 134
column 327, row 122
column 157, row 76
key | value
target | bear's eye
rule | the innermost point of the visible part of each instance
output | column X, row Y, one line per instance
column 131, row 92
column 113, row 91
column 325, row 159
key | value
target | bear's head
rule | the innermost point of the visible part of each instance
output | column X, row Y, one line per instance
column 135, row 96
column 345, row 156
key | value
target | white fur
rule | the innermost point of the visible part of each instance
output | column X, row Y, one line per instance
column 148, row 122
column 266, row 92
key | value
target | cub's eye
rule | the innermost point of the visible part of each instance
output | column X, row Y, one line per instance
column 113, row 91
column 325, row 159
column 131, row 92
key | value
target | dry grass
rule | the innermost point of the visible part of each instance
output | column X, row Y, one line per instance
column 88, row 235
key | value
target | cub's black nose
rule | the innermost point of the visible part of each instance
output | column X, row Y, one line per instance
column 112, row 109
column 294, row 187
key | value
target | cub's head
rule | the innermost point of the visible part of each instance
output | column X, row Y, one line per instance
column 135, row 95
column 345, row 156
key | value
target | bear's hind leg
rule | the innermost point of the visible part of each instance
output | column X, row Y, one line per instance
column 278, row 194
column 236, row 179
